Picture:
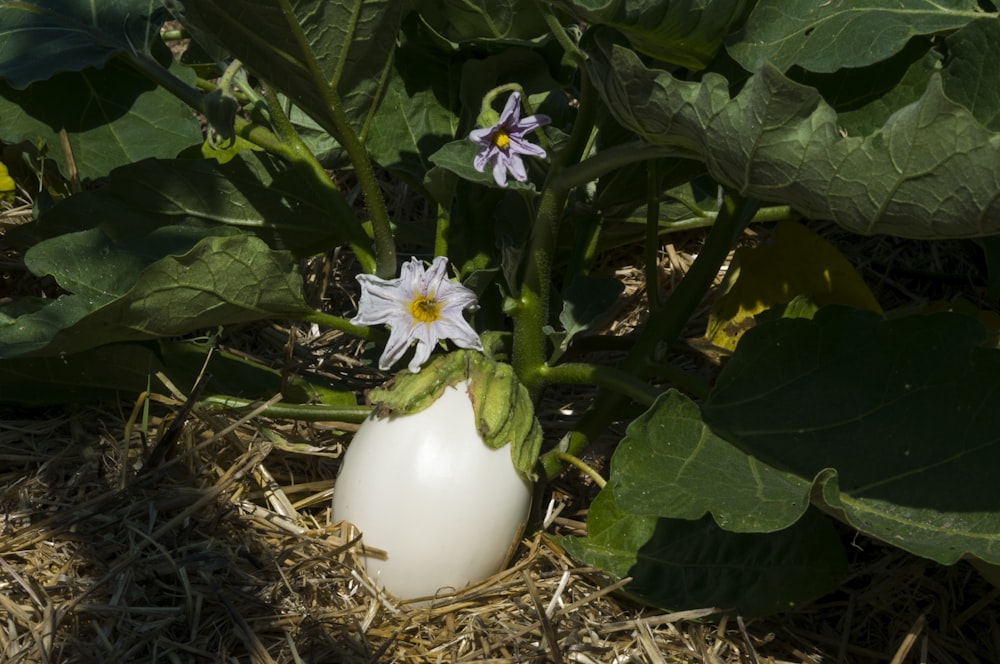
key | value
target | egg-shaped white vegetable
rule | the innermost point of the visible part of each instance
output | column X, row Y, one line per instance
column 427, row 490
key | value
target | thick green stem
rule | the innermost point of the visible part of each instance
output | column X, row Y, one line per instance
column 385, row 245
column 584, row 373
column 664, row 326
column 531, row 309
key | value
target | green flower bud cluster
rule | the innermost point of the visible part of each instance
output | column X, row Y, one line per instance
column 503, row 410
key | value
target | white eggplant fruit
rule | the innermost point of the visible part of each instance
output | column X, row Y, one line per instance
column 445, row 503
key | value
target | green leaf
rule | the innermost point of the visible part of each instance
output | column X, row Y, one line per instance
column 973, row 67
column 311, row 50
column 415, row 118
column 670, row 464
column 892, row 423
column 695, row 564
column 457, row 157
column 112, row 116
column 40, row 38
column 587, row 299
column 460, row 22
column 827, row 36
column 221, row 281
column 929, row 172
column 254, row 192
column 683, row 32
column 676, row 564
column 614, row 536
column 793, row 262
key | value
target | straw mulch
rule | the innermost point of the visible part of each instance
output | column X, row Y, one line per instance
column 144, row 531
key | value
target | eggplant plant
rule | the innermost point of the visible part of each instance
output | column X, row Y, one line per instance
column 548, row 140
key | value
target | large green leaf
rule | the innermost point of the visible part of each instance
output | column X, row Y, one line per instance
column 253, row 192
column 973, row 69
column 417, row 115
column 892, row 424
column 678, row 564
column 670, row 464
column 112, row 116
column 827, row 36
column 312, row 50
column 39, row 38
column 931, row 171
column 220, row 281
column 683, row 32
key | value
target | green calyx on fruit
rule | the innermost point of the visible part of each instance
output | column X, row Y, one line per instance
column 503, row 410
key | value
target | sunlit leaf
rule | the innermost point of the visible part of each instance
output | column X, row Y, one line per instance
column 312, row 50
column 827, row 36
column 221, row 281
column 112, row 116
column 930, row 172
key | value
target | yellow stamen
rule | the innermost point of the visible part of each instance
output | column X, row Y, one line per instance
column 425, row 309
column 501, row 140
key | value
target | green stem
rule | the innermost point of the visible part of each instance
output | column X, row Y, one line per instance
column 584, row 373
column 290, row 411
column 559, row 32
column 292, row 150
column 342, row 324
column 531, row 309
column 665, row 326
column 385, row 245
column 616, row 157
column 584, row 468
column 652, row 248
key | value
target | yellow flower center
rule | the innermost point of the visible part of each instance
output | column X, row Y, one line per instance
column 501, row 140
column 425, row 309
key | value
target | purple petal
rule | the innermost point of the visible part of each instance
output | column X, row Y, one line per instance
column 511, row 110
column 532, row 122
column 482, row 136
column 483, row 157
column 521, row 146
column 516, row 167
column 500, row 170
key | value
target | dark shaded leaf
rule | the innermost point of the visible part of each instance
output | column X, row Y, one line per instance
column 893, row 423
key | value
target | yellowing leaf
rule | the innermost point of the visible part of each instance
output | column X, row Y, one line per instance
column 7, row 186
column 796, row 262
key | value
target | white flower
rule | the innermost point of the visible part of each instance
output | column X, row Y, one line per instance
column 422, row 306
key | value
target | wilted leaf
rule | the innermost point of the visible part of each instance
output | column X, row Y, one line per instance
column 930, row 172
column 796, row 262
column 310, row 49
column 893, row 423
column 827, row 36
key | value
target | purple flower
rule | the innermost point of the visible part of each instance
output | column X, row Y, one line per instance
column 505, row 142
column 420, row 306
